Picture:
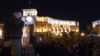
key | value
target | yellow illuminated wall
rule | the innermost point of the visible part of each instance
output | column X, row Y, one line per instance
column 30, row 12
column 41, row 24
column 41, row 19
column 47, row 24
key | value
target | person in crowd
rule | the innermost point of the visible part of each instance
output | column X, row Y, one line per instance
column 29, row 51
column 6, row 49
column 12, row 32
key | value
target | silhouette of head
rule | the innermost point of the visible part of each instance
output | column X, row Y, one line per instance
column 17, row 14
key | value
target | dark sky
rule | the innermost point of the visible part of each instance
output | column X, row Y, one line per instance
column 83, row 11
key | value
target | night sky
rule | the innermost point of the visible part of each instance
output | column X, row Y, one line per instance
column 83, row 11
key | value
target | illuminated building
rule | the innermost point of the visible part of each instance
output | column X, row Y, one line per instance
column 47, row 26
column 44, row 26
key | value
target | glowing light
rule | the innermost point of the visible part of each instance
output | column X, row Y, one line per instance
column 29, row 20
column 61, row 22
column 41, row 19
column 44, row 30
column 77, row 30
column 56, row 34
column 41, row 30
column 0, row 32
column 60, row 34
column 82, row 34
column 38, row 30
column 40, row 39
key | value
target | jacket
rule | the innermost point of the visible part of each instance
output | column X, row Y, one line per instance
column 13, row 29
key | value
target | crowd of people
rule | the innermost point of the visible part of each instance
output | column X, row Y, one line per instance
column 70, row 46
column 65, row 46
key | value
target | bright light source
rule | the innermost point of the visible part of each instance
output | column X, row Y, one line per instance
column 29, row 20
column 77, row 30
column 0, row 32
column 40, row 39
column 41, row 19
column 60, row 34
column 61, row 22
column 38, row 30
column 82, row 34
column 56, row 34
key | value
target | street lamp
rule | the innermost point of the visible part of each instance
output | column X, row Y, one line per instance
column 82, row 34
